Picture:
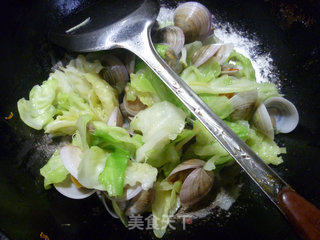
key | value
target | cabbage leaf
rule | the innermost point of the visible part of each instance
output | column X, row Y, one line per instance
column 166, row 203
column 54, row 170
column 207, row 147
column 70, row 92
column 39, row 110
column 245, row 65
column 158, row 124
column 223, row 84
column 221, row 105
column 142, row 173
column 92, row 164
column 265, row 148
column 267, row 90
column 112, row 138
column 113, row 175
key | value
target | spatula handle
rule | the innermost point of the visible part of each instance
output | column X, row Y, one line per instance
column 303, row 215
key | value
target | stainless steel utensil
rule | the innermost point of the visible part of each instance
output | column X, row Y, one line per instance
column 127, row 25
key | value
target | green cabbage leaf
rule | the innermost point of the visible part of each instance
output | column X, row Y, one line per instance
column 54, row 171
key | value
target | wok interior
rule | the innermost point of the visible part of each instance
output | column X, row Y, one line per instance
column 290, row 32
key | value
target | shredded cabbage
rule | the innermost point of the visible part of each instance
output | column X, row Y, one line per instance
column 246, row 68
column 70, row 92
column 92, row 164
column 38, row 110
column 158, row 124
column 223, row 84
column 54, row 170
column 166, row 203
column 265, row 148
column 113, row 175
column 267, row 90
column 141, row 173
column 111, row 138
column 207, row 147
column 221, row 105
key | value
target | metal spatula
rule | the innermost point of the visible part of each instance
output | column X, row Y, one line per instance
column 127, row 24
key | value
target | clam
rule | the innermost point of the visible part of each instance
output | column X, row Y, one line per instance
column 243, row 104
column 220, row 53
column 122, row 205
column 106, row 203
column 204, row 54
column 140, row 203
column 130, row 192
column 171, row 35
column 276, row 114
column 197, row 182
column 184, row 167
column 131, row 108
column 224, row 52
column 70, row 187
column 283, row 114
column 129, row 60
column 262, row 121
column 194, row 19
column 116, row 118
column 126, row 125
column 70, row 157
column 70, row 190
column 188, row 51
column 172, row 59
column 114, row 72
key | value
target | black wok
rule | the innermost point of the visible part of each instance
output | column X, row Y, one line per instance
column 290, row 31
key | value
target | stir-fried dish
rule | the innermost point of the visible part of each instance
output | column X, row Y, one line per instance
column 132, row 141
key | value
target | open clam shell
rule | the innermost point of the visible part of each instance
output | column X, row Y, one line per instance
column 69, row 189
column 103, row 196
column 130, row 192
column 262, row 121
column 70, row 157
column 220, row 53
column 243, row 104
column 116, row 118
column 276, row 114
column 224, row 52
column 284, row 114
column 194, row 19
column 140, row 203
column 204, row 54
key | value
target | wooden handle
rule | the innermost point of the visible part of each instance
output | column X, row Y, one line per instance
column 304, row 216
